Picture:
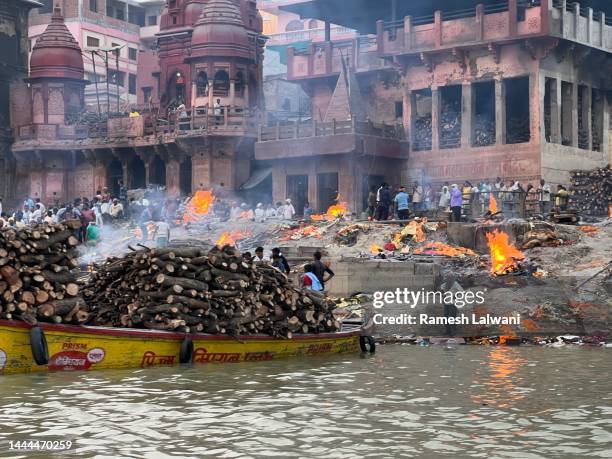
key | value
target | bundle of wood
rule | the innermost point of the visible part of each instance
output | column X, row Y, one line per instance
column 591, row 190
column 421, row 138
column 189, row 290
column 484, row 130
column 37, row 274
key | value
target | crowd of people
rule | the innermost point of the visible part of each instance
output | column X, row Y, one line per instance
column 513, row 198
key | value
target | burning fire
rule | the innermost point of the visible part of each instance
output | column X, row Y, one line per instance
column 440, row 248
column 199, row 205
column 230, row 238
column 334, row 211
column 493, row 205
column 375, row 249
column 588, row 229
column 503, row 254
column 415, row 229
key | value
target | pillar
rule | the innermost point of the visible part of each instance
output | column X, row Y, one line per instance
column 512, row 18
column 438, row 28
column 467, row 112
column 555, row 111
column 574, row 108
column 408, row 32
column 576, row 11
column 435, row 119
column 500, row 113
column 407, row 112
column 605, row 135
column 124, row 166
column 587, row 120
column 327, row 31
column 173, row 176
column 232, row 93
column 590, row 25
column 147, row 166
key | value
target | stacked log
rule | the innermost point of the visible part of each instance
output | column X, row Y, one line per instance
column 450, row 124
column 484, row 130
column 189, row 290
column 591, row 190
column 422, row 132
column 37, row 279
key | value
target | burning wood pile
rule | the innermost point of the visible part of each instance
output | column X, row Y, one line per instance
column 189, row 290
column 592, row 191
column 198, row 206
column 36, row 270
column 504, row 255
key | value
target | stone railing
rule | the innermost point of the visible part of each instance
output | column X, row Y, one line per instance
column 305, row 129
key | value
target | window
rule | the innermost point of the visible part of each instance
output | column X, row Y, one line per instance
column 116, row 52
column 221, row 84
column 116, row 78
column 202, row 84
column 93, row 6
column 239, row 83
column 93, row 42
column 152, row 20
column 133, row 54
column 399, row 109
column 146, row 94
column 173, row 19
column 132, row 83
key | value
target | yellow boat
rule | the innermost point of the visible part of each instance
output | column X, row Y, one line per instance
column 67, row 347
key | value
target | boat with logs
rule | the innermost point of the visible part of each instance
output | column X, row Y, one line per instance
column 58, row 347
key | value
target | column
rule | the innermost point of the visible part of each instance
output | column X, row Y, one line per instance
column 232, row 93
column 124, row 166
column 438, row 28
column 512, row 17
column 173, row 168
column 411, row 119
column 587, row 120
column 605, row 135
column 407, row 112
column 555, row 111
column 574, row 108
column 408, row 32
column 327, row 31
column 467, row 112
column 435, row 119
column 500, row 113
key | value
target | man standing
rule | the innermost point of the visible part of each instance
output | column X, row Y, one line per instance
column 384, row 201
column 288, row 210
column 456, row 201
column 401, row 203
column 544, row 197
column 320, row 269
column 417, row 197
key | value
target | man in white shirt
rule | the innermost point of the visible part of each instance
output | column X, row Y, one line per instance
column 544, row 197
column 260, row 215
column 288, row 210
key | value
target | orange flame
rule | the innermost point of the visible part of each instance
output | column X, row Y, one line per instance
column 230, row 238
column 334, row 211
column 199, row 205
column 588, row 229
column 375, row 249
column 440, row 248
column 503, row 254
column 493, row 205
column 413, row 228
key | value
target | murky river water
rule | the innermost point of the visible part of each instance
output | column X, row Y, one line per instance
column 404, row 401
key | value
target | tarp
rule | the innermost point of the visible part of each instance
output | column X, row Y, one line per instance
column 258, row 176
column 299, row 46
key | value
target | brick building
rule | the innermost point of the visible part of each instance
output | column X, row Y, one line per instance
column 517, row 89
column 209, row 56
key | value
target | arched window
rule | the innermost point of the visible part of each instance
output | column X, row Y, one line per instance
column 294, row 25
column 239, row 84
column 221, row 84
column 202, row 84
column 312, row 24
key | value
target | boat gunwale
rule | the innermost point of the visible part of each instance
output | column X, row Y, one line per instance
column 170, row 335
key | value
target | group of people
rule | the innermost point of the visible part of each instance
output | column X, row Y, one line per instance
column 261, row 212
column 316, row 272
column 512, row 197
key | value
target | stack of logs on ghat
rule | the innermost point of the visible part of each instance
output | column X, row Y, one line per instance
column 37, row 280
column 591, row 190
column 189, row 290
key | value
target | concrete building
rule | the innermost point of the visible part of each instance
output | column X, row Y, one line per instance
column 200, row 135
column 480, row 89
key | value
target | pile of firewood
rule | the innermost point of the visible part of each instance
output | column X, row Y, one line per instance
column 484, row 130
column 591, row 191
column 37, row 281
column 189, row 290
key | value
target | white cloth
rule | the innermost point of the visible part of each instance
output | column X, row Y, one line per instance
column 260, row 215
column 288, row 211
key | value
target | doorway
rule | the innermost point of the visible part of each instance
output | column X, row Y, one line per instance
column 327, row 190
column 370, row 181
column 185, row 176
column 114, row 173
column 297, row 191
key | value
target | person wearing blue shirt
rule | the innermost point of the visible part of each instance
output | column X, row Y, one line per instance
column 401, row 201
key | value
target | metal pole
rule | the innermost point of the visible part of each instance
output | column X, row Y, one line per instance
column 117, row 78
column 93, row 60
column 107, row 85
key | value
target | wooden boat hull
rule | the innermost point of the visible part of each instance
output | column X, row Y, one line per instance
column 87, row 348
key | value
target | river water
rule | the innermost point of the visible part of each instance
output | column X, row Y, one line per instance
column 404, row 401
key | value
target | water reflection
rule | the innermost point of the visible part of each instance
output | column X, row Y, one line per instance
column 407, row 401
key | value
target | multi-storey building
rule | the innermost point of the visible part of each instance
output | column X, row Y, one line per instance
column 518, row 89
column 201, row 134
column 13, row 68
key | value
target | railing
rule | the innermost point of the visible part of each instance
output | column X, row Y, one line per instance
column 305, row 129
column 309, row 34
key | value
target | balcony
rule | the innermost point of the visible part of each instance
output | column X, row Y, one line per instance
column 311, row 138
column 308, row 34
column 325, row 59
column 497, row 22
